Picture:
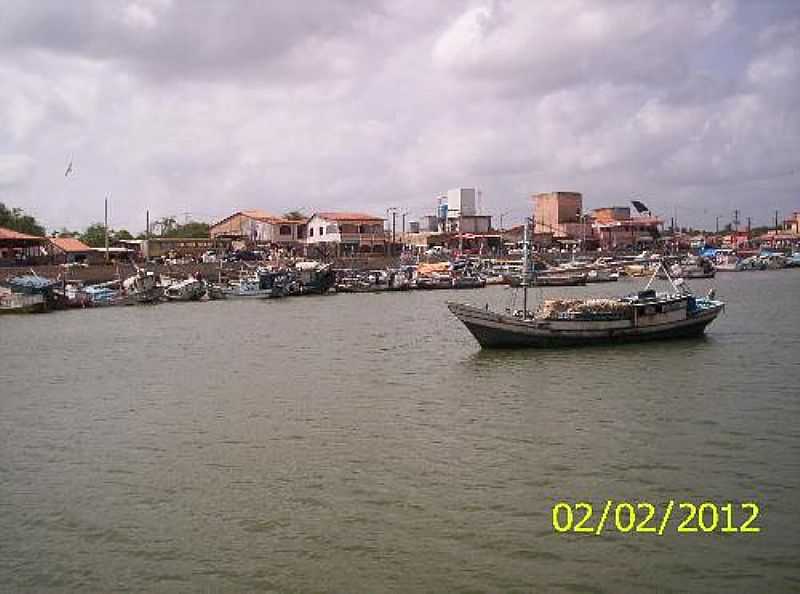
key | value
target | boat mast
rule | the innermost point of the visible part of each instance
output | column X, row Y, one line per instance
column 525, row 265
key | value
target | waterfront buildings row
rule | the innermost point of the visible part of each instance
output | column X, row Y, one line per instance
column 456, row 224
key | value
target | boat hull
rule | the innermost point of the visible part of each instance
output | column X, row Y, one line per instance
column 493, row 330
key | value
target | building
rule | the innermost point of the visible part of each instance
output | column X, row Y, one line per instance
column 20, row 249
column 613, row 228
column 461, row 203
column 611, row 213
column 792, row 225
column 259, row 227
column 429, row 223
column 458, row 213
column 68, row 250
column 333, row 234
column 560, row 213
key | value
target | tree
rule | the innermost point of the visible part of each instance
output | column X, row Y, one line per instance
column 95, row 235
column 294, row 215
column 190, row 229
column 122, row 234
column 165, row 225
column 16, row 220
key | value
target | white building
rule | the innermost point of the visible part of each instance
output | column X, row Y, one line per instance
column 345, row 234
column 461, row 203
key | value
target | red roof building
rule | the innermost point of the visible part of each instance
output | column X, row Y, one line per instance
column 258, row 226
column 19, row 249
column 64, row 250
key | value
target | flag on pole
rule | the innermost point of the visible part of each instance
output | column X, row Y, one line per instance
column 640, row 206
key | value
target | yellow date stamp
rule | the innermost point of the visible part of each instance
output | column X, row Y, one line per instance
column 683, row 517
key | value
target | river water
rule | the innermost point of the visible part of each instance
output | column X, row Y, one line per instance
column 364, row 443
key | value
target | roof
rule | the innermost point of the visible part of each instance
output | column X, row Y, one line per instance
column 69, row 244
column 259, row 215
column 347, row 216
column 10, row 234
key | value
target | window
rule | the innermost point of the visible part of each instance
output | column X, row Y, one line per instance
column 331, row 229
column 285, row 230
column 322, row 230
column 311, row 231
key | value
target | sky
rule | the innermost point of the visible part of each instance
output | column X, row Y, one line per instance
column 197, row 109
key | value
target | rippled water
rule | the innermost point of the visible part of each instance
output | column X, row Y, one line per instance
column 363, row 443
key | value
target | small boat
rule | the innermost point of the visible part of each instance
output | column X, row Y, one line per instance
column 311, row 278
column 693, row 267
column 190, row 289
column 215, row 292
column 468, row 281
column 144, row 287
column 434, row 281
column 102, row 295
column 646, row 315
column 43, row 290
column 601, row 275
column 276, row 282
column 246, row 287
column 773, row 260
column 551, row 280
column 12, row 302
column 73, row 295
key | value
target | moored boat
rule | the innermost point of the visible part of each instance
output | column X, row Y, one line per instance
column 646, row 315
column 12, row 302
column 190, row 289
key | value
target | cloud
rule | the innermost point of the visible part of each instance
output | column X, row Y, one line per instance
column 15, row 170
column 206, row 107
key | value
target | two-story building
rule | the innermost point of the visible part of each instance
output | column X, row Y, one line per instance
column 333, row 234
column 259, row 227
column 615, row 228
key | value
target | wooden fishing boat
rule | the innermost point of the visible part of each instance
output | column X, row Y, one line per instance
column 646, row 315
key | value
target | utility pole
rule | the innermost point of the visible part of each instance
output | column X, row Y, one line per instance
column 392, row 210
column 146, row 251
column 748, row 226
column 717, row 224
column 736, row 220
column 776, row 222
column 106, row 227
column 394, row 220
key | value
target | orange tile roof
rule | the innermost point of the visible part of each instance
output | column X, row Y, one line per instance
column 9, row 234
column 347, row 216
column 70, row 244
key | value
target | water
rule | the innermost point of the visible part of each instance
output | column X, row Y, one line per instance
column 363, row 443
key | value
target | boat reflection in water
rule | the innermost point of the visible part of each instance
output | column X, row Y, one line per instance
column 646, row 315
